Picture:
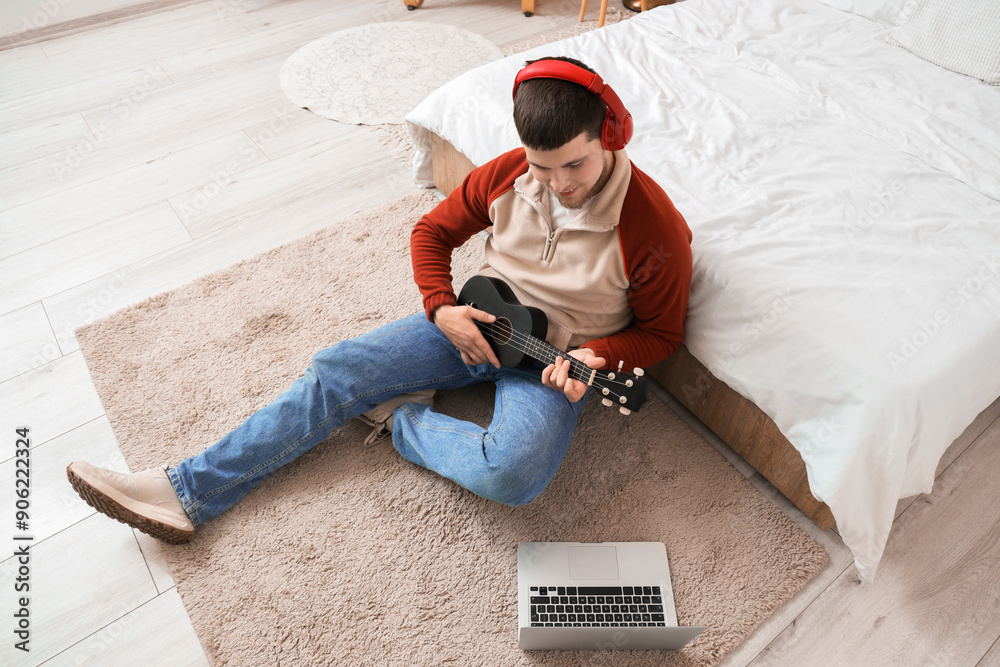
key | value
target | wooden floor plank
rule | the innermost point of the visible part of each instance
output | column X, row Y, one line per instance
column 296, row 130
column 155, row 128
column 28, row 341
column 31, row 140
column 49, row 19
column 66, row 262
column 936, row 599
column 156, row 633
column 230, row 198
column 56, row 506
column 20, row 103
column 91, row 202
column 74, row 591
column 27, row 57
column 991, row 659
column 50, row 400
column 153, row 555
column 270, row 45
column 128, row 43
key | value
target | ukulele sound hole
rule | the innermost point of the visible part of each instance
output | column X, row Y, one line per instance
column 502, row 330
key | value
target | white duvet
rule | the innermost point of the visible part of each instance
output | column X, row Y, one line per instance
column 844, row 197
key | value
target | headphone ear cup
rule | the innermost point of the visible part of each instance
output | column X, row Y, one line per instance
column 615, row 132
column 608, row 131
column 627, row 127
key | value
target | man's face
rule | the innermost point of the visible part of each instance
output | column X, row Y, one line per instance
column 575, row 172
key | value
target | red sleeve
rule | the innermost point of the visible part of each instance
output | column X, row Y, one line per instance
column 656, row 245
column 454, row 221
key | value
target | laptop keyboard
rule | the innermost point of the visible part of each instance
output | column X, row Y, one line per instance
column 596, row 606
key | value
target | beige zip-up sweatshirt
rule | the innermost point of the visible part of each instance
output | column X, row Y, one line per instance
column 615, row 280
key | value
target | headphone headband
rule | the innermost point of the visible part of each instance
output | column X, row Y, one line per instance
column 617, row 128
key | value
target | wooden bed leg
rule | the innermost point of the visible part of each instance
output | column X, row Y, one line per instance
column 412, row 4
column 528, row 7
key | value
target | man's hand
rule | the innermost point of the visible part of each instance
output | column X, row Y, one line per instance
column 458, row 323
column 556, row 376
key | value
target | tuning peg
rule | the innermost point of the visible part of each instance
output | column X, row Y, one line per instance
column 605, row 391
column 625, row 411
column 638, row 372
column 620, row 364
column 628, row 383
column 622, row 399
column 607, row 402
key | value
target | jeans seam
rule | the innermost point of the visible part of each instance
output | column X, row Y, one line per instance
column 298, row 443
column 182, row 495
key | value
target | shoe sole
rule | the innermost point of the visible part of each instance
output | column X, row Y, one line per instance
column 105, row 503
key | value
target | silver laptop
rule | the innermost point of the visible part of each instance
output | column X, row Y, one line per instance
column 611, row 595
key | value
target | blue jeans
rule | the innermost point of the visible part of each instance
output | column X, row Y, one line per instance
column 511, row 462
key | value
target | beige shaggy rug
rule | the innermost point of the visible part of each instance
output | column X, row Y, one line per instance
column 352, row 555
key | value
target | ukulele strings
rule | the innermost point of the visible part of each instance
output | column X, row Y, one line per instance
column 524, row 342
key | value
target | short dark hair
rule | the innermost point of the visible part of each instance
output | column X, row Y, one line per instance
column 549, row 113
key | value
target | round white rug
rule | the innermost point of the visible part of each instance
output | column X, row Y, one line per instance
column 377, row 73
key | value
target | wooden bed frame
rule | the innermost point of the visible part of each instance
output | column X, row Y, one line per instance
column 740, row 423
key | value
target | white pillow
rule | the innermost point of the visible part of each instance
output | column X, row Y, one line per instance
column 886, row 11
column 961, row 35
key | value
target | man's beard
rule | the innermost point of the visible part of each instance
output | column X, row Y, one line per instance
column 578, row 200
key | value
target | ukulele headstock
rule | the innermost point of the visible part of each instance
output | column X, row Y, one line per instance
column 625, row 390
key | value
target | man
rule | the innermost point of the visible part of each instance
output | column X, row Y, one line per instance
column 577, row 230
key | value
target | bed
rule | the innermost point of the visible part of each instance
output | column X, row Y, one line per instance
column 844, row 195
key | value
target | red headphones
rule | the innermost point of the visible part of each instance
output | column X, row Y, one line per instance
column 617, row 128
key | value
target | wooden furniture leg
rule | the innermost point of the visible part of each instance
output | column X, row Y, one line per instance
column 528, row 7
column 604, row 11
column 412, row 4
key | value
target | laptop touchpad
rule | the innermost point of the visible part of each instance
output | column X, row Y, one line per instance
column 593, row 563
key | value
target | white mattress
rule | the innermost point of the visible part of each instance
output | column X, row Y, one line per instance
column 844, row 197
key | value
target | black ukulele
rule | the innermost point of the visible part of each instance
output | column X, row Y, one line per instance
column 518, row 335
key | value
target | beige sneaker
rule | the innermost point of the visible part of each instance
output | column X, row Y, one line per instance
column 144, row 500
column 380, row 417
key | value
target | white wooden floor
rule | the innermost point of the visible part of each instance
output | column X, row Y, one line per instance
column 107, row 134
